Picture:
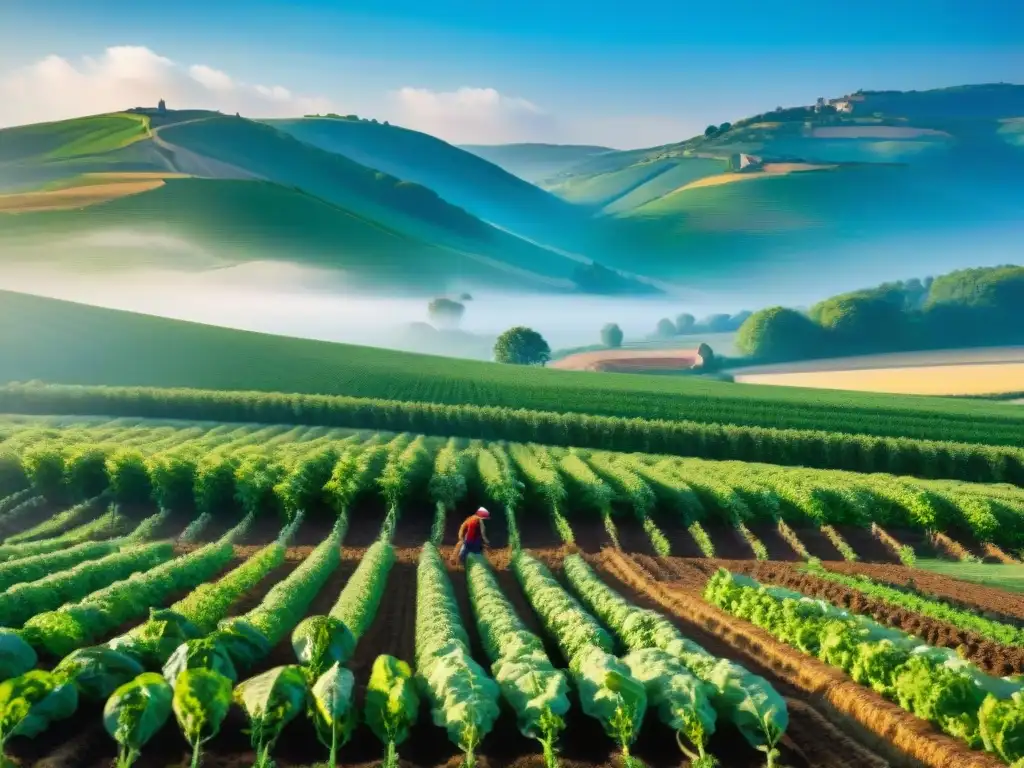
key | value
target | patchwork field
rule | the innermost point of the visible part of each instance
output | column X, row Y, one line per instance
column 89, row 190
column 151, row 568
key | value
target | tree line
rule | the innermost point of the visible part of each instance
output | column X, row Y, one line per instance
column 966, row 308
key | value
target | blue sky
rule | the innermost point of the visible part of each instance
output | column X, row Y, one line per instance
column 618, row 73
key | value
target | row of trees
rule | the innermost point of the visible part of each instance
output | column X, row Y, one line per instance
column 687, row 325
column 683, row 325
column 971, row 307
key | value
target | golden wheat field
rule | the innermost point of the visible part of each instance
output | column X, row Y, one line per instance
column 973, row 379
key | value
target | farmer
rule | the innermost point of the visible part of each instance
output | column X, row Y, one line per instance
column 472, row 536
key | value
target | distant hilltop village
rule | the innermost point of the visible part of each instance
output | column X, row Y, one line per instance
column 845, row 104
column 160, row 109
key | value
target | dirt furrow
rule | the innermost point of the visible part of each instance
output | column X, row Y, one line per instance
column 988, row 601
column 994, row 658
column 885, row 728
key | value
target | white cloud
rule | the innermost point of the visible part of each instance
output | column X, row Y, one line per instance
column 474, row 116
column 214, row 79
column 55, row 88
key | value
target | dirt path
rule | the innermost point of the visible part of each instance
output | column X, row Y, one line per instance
column 181, row 160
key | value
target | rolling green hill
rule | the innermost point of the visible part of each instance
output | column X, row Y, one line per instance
column 221, row 222
column 900, row 166
column 63, row 342
column 372, row 225
column 460, row 177
column 535, row 162
column 914, row 178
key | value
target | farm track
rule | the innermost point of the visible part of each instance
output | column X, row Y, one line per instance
column 817, row 737
column 995, row 658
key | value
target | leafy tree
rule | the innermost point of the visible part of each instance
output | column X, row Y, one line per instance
column 685, row 323
column 976, row 306
column 724, row 127
column 466, row 297
column 522, row 346
column 611, row 335
column 778, row 333
column 711, row 130
column 445, row 312
column 862, row 321
column 666, row 329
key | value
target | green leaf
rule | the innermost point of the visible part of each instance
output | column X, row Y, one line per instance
column 30, row 702
column 206, row 653
column 392, row 703
column 136, row 712
column 332, row 711
column 201, row 701
column 320, row 641
column 271, row 701
column 98, row 671
column 155, row 640
column 16, row 656
column 244, row 643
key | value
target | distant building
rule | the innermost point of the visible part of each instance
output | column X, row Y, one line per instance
column 159, row 109
column 842, row 105
column 741, row 163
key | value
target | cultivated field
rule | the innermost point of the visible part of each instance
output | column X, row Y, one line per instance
column 629, row 360
column 768, row 170
column 91, row 192
column 75, row 344
column 944, row 372
column 308, row 576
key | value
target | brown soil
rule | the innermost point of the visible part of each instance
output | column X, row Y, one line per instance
column 814, row 738
column 778, row 548
column 679, row 538
column 992, row 657
column 728, row 542
column 889, row 730
column 868, row 548
column 818, row 544
column 632, row 536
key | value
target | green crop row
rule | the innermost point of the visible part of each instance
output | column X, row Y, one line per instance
column 934, row 684
column 997, row 631
column 840, row 445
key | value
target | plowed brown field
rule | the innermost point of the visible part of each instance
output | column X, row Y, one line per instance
column 834, row 724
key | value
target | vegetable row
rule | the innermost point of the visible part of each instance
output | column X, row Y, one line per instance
column 934, row 684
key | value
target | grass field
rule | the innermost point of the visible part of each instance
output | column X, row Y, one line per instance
column 71, row 343
column 71, row 138
column 943, row 380
column 997, row 575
